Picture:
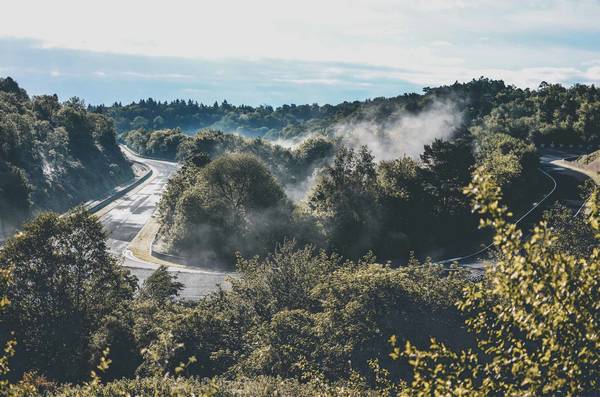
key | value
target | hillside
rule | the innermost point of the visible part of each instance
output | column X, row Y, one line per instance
column 52, row 155
column 551, row 113
column 591, row 161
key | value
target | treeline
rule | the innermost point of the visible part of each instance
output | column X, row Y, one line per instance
column 290, row 166
column 233, row 195
column 191, row 116
column 304, row 322
column 163, row 144
column 52, row 155
column 551, row 113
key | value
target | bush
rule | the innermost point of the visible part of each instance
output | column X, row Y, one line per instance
column 231, row 204
column 303, row 314
column 64, row 283
column 536, row 317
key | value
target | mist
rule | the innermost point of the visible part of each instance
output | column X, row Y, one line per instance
column 402, row 133
column 298, row 191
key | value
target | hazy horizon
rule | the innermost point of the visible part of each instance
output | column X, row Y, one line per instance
column 273, row 52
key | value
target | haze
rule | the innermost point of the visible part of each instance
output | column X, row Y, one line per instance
column 278, row 52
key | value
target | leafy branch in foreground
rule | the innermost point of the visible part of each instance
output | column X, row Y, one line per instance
column 536, row 317
column 9, row 346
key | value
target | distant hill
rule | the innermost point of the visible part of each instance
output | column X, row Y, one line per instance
column 52, row 155
column 551, row 113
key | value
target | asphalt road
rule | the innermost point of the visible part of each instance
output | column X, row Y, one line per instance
column 128, row 215
column 565, row 191
column 124, row 219
column 568, row 181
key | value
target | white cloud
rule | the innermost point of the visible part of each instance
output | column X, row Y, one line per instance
column 593, row 73
column 425, row 42
column 579, row 15
column 321, row 81
column 158, row 76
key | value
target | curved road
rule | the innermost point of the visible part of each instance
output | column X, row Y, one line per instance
column 565, row 190
column 125, row 217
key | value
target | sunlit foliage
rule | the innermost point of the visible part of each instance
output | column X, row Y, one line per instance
column 52, row 155
column 536, row 317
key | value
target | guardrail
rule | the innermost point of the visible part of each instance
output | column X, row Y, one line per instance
column 95, row 207
column 552, row 145
column 179, row 260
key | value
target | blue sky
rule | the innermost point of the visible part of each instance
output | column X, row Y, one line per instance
column 279, row 51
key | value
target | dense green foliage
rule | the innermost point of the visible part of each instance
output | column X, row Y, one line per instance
column 314, row 319
column 290, row 166
column 404, row 205
column 191, row 116
column 52, row 155
column 551, row 113
column 513, row 164
column 64, row 283
column 160, row 143
column 303, row 322
column 573, row 234
column 296, row 314
column 299, row 313
column 161, row 286
column 230, row 204
column 353, row 205
column 536, row 317
column 262, row 386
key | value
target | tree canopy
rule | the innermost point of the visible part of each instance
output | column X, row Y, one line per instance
column 535, row 317
column 52, row 155
column 63, row 283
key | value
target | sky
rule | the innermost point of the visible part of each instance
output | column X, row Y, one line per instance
column 279, row 51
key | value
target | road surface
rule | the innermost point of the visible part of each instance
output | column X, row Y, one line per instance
column 568, row 181
column 124, row 218
column 127, row 216
column 565, row 190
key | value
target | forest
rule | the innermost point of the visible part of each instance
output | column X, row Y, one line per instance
column 301, row 321
column 52, row 155
column 239, row 197
column 550, row 114
column 411, row 181
column 334, row 242
column 347, row 191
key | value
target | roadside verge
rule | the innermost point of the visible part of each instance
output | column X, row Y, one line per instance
column 578, row 168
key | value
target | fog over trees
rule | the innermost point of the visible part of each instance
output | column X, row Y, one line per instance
column 550, row 113
column 52, row 155
column 333, row 241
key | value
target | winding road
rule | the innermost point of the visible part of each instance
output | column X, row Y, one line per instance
column 125, row 218
column 564, row 189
